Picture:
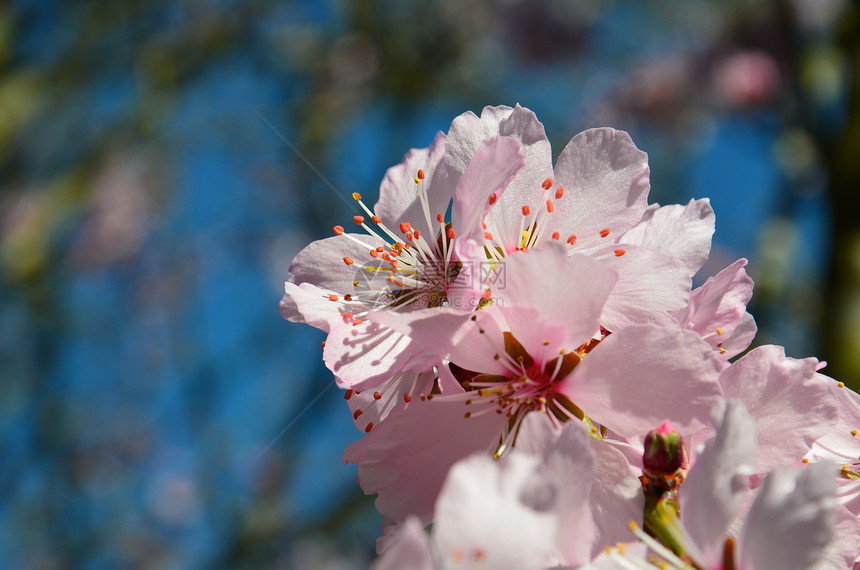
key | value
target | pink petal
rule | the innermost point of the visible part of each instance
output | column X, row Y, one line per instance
column 683, row 232
column 405, row 459
column 373, row 405
column 453, row 335
column 605, row 180
column 465, row 136
column 789, row 402
column 573, row 463
column 491, row 169
column 718, row 307
column 367, row 355
column 409, row 548
column 569, row 291
column 718, row 482
column 641, row 376
column 616, row 496
column 398, row 193
column 310, row 304
column 651, row 287
column 321, row 263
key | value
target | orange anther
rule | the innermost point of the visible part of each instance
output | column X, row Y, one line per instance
column 547, row 184
column 368, row 428
column 549, row 206
column 332, row 297
column 356, row 323
column 347, row 297
column 407, row 397
column 572, row 239
column 348, row 260
column 377, row 396
column 376, row 220
column 440, row 217
column 338, row 230
column 386, row 257
column 356, row 413
column 410, row 236
column 556, row 235
column 374, row 253
column 604, row 232
column 559, row 193
column 451, row 233
column 488, row 235
column 356, row 196
column 526, row 210
column 380, row 249
column 619, row 252
column 417, row 233
column 405, row 227
column 347, row 395
column 358, row 219
column 493, row 198
column 420, row 174
column 322, row 345
column 348, row 316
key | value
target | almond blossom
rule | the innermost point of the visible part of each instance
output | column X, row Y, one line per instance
column 409, row 259
column 533, row 349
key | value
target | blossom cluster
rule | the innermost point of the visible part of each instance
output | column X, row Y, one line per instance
column 538, row 383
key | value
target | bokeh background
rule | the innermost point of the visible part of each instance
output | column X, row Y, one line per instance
column 162, row 161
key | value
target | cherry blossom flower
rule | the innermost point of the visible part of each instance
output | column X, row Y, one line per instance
column 407, row 260
column 589, row 202
column 532, row 350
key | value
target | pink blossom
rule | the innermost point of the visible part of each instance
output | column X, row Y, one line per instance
column 407, row 260
column 593, row 201
column 532, row 350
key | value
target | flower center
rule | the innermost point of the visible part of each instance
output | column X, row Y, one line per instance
column 529, row 384
column 408, row 271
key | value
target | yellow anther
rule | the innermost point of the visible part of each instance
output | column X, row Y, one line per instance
column 723, row 351
column 633, row 526
column 841, row 384
column 854, row 432
column 719, row 331
column 805, row 460
column 526, row 235
column 417, row 180
column 356, row 196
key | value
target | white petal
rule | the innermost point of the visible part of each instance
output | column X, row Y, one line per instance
column 792, row 520
column 719, row 481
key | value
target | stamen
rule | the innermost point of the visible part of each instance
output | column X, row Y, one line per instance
column 547, row 184
column 559, row 193
column 604, row 232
